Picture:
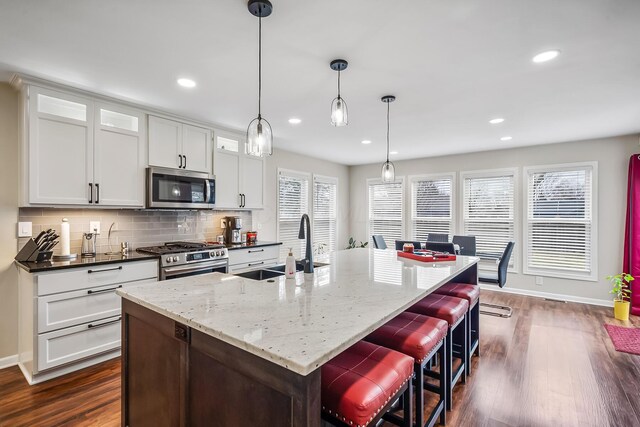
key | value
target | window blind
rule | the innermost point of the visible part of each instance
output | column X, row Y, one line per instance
column 325, row 214
column 488, row 213
column 559, row 220
column 385, row 211
column 293, row 202
column 431, row 206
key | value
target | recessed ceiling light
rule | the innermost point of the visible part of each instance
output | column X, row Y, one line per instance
column 546, row 56
column 366, row 141
column 506, row 138
column 294, row 121
column 186, row 82
column 393, row 152
column 496, row 120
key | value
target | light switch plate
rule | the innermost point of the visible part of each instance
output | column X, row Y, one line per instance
column 25, row 229
column 539, row 280
column 94, row 227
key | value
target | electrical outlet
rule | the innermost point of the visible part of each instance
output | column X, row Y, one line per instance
column 94, row 227
column 539, row 280
column 25, row 229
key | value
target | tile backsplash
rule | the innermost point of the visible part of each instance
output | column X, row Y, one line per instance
column 138, row 227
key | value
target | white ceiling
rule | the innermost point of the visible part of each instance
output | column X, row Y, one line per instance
column 453, row 65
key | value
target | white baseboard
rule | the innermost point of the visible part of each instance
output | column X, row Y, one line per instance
column 8, row 361
column 570, row 298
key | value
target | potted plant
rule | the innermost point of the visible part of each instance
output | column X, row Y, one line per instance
column 621, row 291
column 353, row 244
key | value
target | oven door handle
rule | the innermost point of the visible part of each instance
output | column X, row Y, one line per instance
column 195, row 268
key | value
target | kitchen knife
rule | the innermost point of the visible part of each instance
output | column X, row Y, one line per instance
column 39, row 237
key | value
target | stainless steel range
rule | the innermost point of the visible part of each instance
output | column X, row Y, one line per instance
column 182, row 259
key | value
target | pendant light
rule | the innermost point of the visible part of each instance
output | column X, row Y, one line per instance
column 339, row 113
column 388, row 169
column 259, row 135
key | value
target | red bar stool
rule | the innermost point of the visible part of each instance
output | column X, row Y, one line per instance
column 420, row 337
column 360, row 385
column 471, row 293
column 454, row 311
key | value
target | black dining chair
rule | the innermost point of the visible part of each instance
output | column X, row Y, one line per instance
column 400, row 244
column 440, row 247
column 499, row 278
column 437, row 237
column 467, row 244
column 378, row 241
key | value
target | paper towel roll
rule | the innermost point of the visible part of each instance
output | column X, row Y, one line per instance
column 64, row 237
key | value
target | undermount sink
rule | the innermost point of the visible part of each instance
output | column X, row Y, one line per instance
column 260, row 274
column 299, row 266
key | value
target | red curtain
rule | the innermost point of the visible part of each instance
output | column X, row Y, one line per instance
column 631, row 263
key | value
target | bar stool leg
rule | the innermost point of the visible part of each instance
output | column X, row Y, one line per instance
column 407, row 401
column 443, row 380
column 419, row 394
column 447, row 366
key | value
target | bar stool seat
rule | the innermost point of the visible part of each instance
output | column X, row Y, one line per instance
column 360, row 382
column 420, row 337
column 472, row 294
column 443, row 307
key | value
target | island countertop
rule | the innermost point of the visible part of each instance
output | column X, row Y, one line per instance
column 300, row 323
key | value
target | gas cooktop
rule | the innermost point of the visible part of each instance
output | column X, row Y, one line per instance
column 179, row 247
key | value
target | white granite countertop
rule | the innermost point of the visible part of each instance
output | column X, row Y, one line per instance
column 299, row 323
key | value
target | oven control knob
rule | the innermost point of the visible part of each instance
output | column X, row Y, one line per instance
column 175, row 259
column 218, row 253
column 212, row 254
column 169, row 259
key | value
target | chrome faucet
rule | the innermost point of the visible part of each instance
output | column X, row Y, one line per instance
column 308, row 259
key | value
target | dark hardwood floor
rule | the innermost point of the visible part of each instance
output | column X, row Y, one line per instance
column 551, row 364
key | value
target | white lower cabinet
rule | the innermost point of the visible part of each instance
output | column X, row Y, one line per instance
column 69, row 319
column 253, row 258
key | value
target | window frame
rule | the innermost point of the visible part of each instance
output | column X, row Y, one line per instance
column 484, row 263
column 409, row 215
column 527, row 172
column 329, row 180
column 403, row 224
column 302, row 175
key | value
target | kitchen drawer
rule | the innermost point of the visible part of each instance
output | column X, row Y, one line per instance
column 252, row 265
column 252, row 255
column 78, row 342
column 61, row 310
column 91, row 277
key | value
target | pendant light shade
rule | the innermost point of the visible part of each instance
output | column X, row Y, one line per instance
column 339, row 111
column 388, row 173
column 259, row 134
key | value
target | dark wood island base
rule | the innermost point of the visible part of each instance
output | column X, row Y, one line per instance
column 173, row 375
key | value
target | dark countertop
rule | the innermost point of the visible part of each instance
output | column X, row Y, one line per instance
column 100, row 259
column 254, row 245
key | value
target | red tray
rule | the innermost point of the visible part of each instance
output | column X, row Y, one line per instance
column 425, row 256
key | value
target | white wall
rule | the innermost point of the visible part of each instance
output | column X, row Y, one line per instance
column 8, row 220
column 612, row 155
column 265, row 221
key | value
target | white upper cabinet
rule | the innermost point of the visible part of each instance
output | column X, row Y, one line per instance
column 83, row 152
column 119, row 156
column 179, row 146
column 239, row 177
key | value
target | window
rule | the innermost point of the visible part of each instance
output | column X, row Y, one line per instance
column 560, row 226
column 431, row 206
column 293, row 202
column 325, row 213
column 385, row 210
column 488, row 212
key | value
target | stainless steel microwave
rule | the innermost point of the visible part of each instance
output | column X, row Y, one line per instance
column 179, row 189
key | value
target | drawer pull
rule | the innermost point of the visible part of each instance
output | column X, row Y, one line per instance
column 106, row 269
column 255, row 263
column 91, row 325
column 257, row 250
column 91, row 291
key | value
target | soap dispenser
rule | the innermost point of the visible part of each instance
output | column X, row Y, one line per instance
column 290, row 266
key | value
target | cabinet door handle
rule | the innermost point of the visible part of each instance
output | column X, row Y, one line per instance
column 180, row 157
column 257, row 250
column 91, row 325
column 97, row 193
column 244, row 201
column 105, row 270
column 185, row 161
column 255, row 263
column 91, row 291
column 90, row 193
column 240, row 204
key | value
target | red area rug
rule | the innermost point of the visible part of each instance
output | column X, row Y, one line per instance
column 626, row 340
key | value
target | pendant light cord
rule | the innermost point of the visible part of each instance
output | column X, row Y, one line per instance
column 259, row 64
column 388, row 131
column 338, row 83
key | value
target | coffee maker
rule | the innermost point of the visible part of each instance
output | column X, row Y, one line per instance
column 232, row 226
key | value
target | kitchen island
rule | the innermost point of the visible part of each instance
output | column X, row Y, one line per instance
column 223, row 350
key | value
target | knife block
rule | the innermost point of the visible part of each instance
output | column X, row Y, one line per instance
column 31, row 253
